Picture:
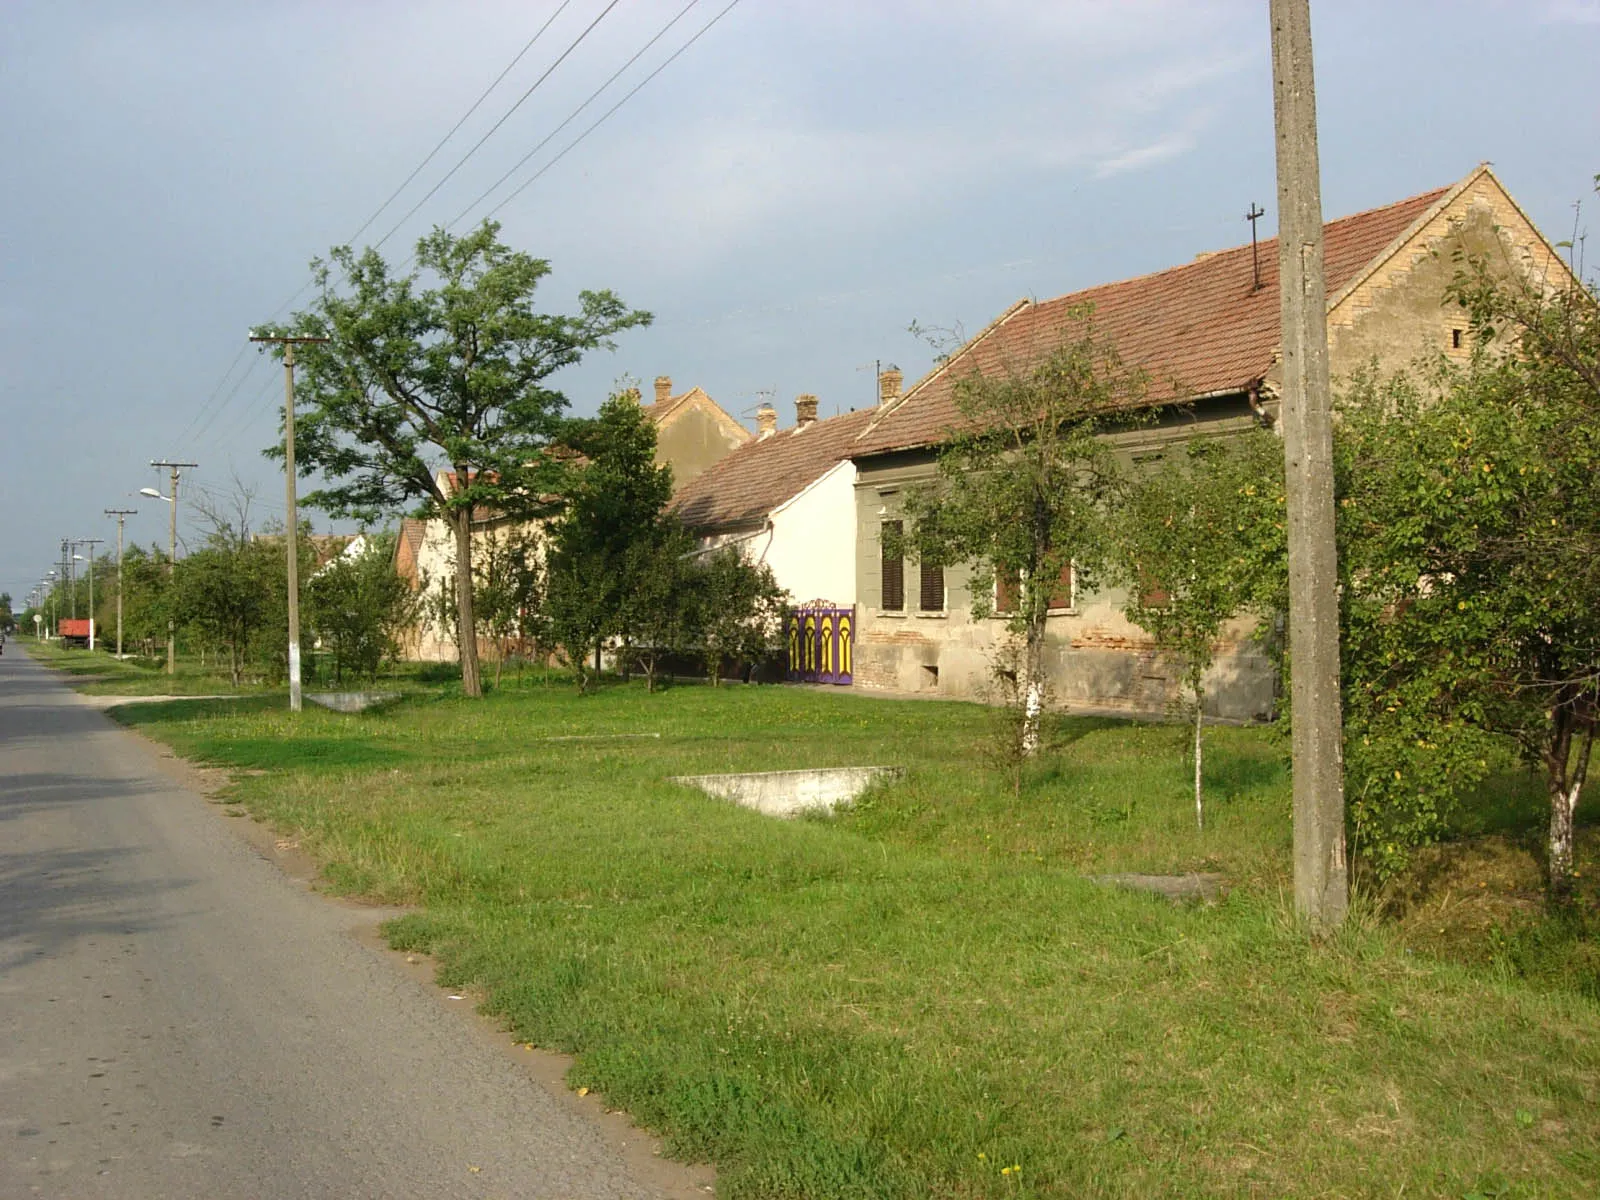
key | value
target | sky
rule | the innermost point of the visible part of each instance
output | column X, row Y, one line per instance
column 787, row 196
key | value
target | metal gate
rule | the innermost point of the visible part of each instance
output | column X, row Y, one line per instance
column 821, row 637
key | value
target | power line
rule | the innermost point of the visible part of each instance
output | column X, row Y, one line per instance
column 704, row 29
column 373, row 216
column 454, row 129
column 573, row 115
column 433, row 191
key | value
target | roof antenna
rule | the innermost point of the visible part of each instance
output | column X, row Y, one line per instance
column 1256, row 213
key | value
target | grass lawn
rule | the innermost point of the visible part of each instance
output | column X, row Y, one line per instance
column 922, row 997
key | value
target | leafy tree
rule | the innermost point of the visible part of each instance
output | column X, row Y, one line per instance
column 663, row 605
column 740, row 609
column 222, row 597
column 1199, row 541
column 356, row 605
column 1024, row 487
column 452, row 375
column 613, row 506
column 508, row 591
column 1470, row 531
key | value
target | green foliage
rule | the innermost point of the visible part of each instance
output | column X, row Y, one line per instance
column 508, row 591
column 223, row 595
column 356, row 606
column 614, row 507
column 1199, row 541
column 1026, row 482
column 1469, row 525
column 740, row 609
column 662, row 607
column 454, row 375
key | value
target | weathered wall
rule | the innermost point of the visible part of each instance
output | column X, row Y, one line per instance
column 1096, row 659
column 693, row 439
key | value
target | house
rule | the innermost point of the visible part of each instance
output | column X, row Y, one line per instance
column 692, row 433
column 1208, row 336
column 787, row 499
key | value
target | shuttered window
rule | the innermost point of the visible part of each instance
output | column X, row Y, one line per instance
column 1061, row 597
column 893, row 593
column 932, row 589
column 1007, row 590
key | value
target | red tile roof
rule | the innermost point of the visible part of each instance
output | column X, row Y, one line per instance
column 758, row 477
column 1196, row 330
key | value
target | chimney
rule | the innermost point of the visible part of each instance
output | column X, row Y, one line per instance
column 766, row 422
column 663, row 388
column 805, row 410
column 888, row 385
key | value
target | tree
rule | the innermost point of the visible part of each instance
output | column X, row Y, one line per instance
column 356, row 605
column 614, row 505
column 1199, row 542
column 1024, row 488
column 1470, row 526
column 740, row 609
column 508, row 591
column 222, row 596
column 454, row 375
column 663, row 604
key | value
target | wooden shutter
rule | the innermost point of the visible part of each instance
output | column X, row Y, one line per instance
column 932, row 590
column 1007, row 590
column 893, row 595
column 1061, row 597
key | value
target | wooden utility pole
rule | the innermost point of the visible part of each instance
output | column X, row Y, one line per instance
column 1321, row 878
column 292, row 519
column 172, row 556
column 121, row 514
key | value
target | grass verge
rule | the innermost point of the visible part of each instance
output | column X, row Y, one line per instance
column 922, row 997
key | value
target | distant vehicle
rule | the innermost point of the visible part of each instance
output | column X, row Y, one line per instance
column 73, row 631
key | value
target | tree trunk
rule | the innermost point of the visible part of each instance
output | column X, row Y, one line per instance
column 1564, row 779
column 466, row 625
column 1032, row 686
column 1199, row 719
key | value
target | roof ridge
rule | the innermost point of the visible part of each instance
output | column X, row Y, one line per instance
column 1209, row 256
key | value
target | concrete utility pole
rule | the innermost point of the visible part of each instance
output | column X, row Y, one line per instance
column 1321, row 878
column 121, row 514
column 172, row 552
column 91, row 543
column 292, row 520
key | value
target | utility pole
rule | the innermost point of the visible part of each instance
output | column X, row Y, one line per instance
column 292, row 520
column 121, row 514
column 1321, row 877
column 91, row 543
column 172, row 555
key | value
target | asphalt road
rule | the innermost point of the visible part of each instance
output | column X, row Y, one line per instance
column 179, row 1018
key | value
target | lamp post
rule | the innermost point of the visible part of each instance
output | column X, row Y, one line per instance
column 120, row 514
column 172, row 555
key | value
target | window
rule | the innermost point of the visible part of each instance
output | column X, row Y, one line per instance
column 1455, row 339
column 1007, row 590
column 893, row 593
column 1062, row 595
column 931, row 598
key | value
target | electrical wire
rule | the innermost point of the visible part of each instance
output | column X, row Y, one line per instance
column 448, row 175
column 573, row 115
column 704, row 29
column 454, row 129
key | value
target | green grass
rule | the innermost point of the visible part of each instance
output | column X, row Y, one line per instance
column 99, row 672
column 905, row 999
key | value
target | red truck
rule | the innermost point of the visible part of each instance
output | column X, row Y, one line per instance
column 73, row 631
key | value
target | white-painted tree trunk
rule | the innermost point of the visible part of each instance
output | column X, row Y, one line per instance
column 1563, row 805
column 1199, row 807
column 1032, row 707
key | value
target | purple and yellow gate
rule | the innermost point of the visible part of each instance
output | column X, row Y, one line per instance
column 821, row 637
